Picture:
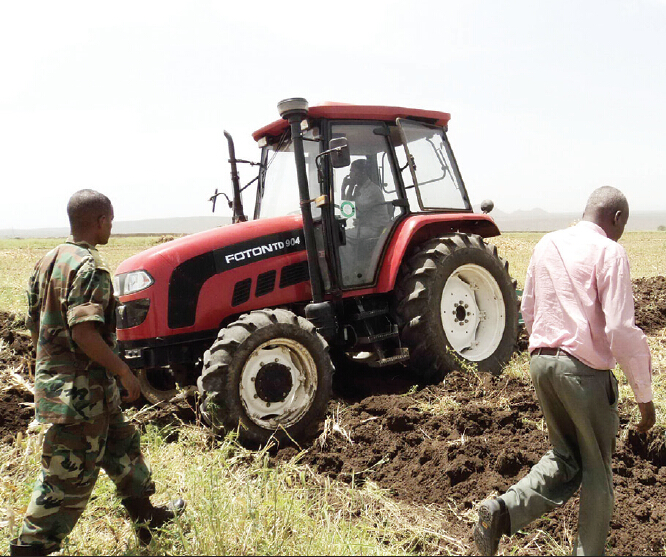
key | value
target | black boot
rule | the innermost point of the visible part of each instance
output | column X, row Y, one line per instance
column 148, row 517
column 15, row 548
column 494, row 522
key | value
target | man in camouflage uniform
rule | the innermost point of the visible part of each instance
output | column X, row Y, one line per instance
column 72, row 321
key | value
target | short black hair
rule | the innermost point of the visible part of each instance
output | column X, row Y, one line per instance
column 361, row 164
column 85, row 207
column 606, row 201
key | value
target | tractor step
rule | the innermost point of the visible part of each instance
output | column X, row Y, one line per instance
column 377, row 338
column 392, row 360
column 363, row 315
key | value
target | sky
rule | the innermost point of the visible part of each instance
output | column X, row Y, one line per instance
column 549, row 100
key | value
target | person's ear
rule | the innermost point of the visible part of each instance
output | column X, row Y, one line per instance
column 619, row 218
column 101, row 221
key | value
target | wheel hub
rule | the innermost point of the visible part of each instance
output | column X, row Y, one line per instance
column 278, row 383
column 273, row 382
column 472, row 311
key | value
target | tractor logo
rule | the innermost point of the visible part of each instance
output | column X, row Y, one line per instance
column 348, row 209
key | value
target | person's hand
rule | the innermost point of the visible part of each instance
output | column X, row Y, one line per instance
column 346, row 185
column 130, row 383
column 648, row 417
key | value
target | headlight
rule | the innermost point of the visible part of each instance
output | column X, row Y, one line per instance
column 129, row 283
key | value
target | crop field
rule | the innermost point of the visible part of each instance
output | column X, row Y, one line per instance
column 398, row 468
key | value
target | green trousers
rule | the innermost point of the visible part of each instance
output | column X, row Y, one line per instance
column 580, row 408
column 72, row 457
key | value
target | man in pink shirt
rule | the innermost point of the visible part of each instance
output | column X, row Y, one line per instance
column 579, row 311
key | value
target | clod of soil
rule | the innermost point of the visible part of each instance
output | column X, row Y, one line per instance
column 17, row 340
column 650, row 302
column 16, row 354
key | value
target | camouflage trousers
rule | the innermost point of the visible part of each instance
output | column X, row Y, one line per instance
column 72, row 457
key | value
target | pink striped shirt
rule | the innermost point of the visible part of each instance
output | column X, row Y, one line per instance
column 578, row 297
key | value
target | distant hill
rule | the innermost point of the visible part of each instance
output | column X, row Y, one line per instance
column 536, row 220
column 177, row 225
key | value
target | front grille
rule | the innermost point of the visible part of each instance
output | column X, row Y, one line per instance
column 294, row 274
column 265, row 283
column 241, row 292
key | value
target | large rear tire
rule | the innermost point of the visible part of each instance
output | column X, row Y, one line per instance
column 457, row 305
column 268, row 375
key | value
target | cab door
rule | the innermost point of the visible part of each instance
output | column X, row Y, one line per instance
column 365, row 200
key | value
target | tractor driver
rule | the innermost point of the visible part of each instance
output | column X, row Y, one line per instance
column 372, row 219
column 372, row 214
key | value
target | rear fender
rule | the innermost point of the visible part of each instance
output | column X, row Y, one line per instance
column 417, row 229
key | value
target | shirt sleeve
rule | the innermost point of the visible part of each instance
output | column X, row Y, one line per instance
column 89, row 295
column 628, row 343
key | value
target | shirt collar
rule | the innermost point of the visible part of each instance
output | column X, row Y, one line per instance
column 70, row 240
column 593, row 227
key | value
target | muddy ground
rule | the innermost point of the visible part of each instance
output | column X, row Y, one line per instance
column 480, row 444
column 15, row 412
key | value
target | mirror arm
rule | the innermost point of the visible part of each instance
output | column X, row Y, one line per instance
column 217, row 194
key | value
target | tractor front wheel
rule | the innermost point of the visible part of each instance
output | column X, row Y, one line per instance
column 268, row 375
column 164, row 383
column 457, row 307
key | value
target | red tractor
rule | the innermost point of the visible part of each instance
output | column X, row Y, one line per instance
column 376, row 258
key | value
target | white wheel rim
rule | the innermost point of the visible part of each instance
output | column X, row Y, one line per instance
column 472, row 311
column 296, row 370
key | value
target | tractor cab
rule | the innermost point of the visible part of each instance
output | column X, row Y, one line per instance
column 398, row 161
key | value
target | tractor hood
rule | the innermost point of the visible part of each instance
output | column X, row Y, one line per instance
column 192, row 283
column 232, row 243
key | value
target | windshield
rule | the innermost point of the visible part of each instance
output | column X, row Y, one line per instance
column 277, row 194
column 432, row 180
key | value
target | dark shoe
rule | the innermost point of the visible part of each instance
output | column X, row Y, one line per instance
column 15, row 548
column 148, row 517
column 493, row 523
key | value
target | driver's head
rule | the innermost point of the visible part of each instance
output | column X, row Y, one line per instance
column 358, row 172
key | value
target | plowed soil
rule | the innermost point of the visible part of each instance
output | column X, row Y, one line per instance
column 16, row 357
column 485, row 438
column 479, row 446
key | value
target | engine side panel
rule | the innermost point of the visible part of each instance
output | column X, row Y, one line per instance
column 202, row 279
column 252, row 259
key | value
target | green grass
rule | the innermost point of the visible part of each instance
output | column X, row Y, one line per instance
column 19, row 256
column 238, row 503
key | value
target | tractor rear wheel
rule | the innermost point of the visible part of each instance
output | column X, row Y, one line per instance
column 457, row 306
column 268, row 375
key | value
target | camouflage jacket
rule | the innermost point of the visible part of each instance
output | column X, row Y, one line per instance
column 70, row 285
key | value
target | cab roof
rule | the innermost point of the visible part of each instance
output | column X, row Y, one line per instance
column 340, row 111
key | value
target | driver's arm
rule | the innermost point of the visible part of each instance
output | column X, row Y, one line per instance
column 346, row 189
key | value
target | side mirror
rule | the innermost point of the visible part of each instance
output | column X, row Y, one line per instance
column 487, row 205
column 339, row 151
